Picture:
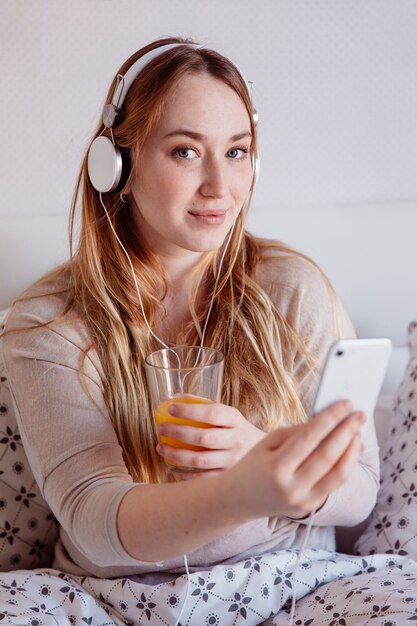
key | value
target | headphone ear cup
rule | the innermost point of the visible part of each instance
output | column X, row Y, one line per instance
column 105, row 165
column 126, row 165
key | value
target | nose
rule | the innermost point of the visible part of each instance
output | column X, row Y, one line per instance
column 214, row 182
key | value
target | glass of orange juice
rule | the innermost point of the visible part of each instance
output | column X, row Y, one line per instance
column 184, row 375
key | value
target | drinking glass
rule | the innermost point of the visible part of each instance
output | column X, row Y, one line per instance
column 184, row 375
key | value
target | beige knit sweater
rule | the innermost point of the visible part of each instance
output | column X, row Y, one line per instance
column 76, row 458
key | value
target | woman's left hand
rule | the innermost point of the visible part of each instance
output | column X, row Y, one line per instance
column 230, row 437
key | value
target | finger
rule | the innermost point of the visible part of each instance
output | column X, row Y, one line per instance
column 198, row 459
column 211, row 438
column 329, row 451
column 341, row 471
column 214, row 413
column 305, row 438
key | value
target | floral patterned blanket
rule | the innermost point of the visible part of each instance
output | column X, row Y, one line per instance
column 331, row 588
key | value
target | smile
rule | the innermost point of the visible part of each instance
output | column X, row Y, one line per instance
column 209, row 217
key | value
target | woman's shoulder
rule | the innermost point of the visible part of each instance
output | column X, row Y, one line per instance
column 44, row 310
column 41, row 302
column 300, row 290
column 282, row 268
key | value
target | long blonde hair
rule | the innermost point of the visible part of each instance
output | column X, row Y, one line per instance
column 258, row 342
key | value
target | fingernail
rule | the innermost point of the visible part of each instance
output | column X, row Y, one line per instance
column 172, row 409
column 362, row 418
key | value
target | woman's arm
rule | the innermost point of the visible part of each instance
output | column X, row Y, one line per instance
column 291, row 471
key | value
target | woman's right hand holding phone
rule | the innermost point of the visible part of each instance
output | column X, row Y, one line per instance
column 292, row 471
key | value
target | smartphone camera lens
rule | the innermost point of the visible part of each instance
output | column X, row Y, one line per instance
column 339, row 353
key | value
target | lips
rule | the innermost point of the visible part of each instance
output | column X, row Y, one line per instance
column 209, row 213
column 212, row 217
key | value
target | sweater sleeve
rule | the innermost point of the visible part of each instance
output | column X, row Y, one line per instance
column 302, row 293
column 68, row 436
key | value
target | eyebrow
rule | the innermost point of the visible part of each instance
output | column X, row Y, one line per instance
column 200, row 137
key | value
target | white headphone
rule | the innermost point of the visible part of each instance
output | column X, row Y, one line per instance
column 108, row 164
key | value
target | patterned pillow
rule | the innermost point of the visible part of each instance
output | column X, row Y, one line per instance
column 393, row 522
column 28, row 529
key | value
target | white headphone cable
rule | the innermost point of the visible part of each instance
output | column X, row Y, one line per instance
column 133, row 273
column 167, row 347
column 187, row 592
column 297, row 562
column 137, row 285
column 203, row 333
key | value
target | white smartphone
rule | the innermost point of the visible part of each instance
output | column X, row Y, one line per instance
column 354, row 370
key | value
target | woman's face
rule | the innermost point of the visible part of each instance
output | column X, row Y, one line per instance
column 194, row 171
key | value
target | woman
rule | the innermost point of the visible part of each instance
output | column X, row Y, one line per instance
column 163, row 256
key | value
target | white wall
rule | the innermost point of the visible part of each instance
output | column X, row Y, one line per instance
column 336, row 89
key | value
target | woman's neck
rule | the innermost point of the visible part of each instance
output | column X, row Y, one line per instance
column 174, row 313
column 180, row 270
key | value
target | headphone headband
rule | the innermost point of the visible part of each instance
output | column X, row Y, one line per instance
column 113, row 110
column 134, row 70
column 105, row 160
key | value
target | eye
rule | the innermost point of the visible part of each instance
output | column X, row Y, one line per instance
column 238, row 153
column 185, row 153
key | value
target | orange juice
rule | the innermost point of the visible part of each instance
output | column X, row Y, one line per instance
column 162, row 415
